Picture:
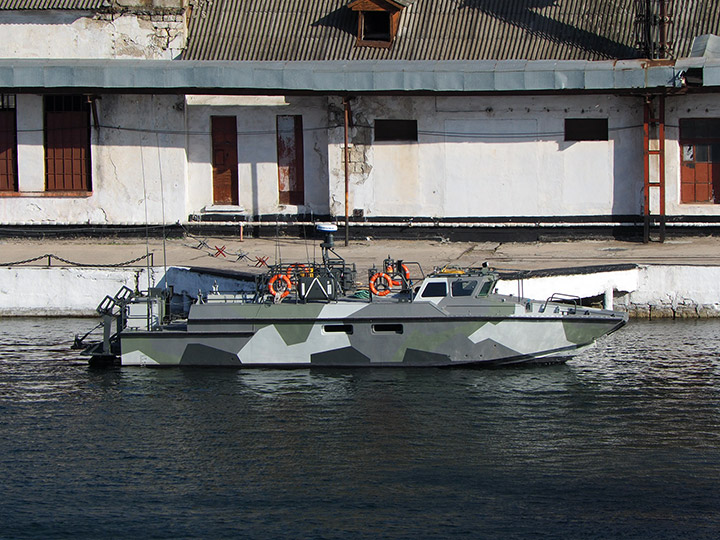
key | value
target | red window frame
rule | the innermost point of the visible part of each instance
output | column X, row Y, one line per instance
column 700, row 160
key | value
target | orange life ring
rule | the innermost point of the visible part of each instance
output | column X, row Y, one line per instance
column 291, row 271
column 388, row 281
column 405, row 271
column 282, row 277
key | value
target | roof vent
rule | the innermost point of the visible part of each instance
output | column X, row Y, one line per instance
column 707, row 46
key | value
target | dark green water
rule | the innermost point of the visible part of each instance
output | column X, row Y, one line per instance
column 623, row 442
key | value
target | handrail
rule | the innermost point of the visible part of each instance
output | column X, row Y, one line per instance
column 563, row 298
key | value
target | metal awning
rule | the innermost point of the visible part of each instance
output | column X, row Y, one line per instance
column 352, row 77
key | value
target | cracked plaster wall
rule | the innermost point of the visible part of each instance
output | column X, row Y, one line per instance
column 79, row 34
column 256, row 120
column 139, row 171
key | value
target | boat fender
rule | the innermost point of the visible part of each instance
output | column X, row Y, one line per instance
column 388, row 282
column 288, row 285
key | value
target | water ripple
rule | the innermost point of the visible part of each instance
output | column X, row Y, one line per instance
column 624, row 441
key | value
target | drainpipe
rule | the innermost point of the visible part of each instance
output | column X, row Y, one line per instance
column 346, row 106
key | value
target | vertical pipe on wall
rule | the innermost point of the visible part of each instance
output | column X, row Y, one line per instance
column 646, row 169
column 661, row 165
column 346, row 106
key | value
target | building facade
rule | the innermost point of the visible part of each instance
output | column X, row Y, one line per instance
column 518, row 117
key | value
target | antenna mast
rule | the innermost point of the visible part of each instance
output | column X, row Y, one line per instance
column 654, row 20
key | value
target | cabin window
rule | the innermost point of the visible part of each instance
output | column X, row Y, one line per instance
column 700, row 160
column 463, row 287
column 8, row 144
column 586, row 129
column 486, row 288
column 435, row 289
column 396, row 130
column 338, row 329
column 389, row 328
column 67, row 143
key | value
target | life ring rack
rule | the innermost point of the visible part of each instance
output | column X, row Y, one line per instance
column 380, row 276
column 403, row 270
column 284, row 278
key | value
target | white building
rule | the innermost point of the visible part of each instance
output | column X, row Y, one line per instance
column 542, row 132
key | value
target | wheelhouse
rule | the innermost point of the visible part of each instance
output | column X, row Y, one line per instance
column 456, row 285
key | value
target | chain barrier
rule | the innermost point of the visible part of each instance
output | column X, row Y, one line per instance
column 49, row 257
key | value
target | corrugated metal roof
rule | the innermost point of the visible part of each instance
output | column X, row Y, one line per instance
column 20, row 5
column 296, row 30
column 692, row 18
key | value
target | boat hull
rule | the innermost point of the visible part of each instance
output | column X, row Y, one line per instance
column 355, row 336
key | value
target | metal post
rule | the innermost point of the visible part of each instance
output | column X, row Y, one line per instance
column 346, row 104
column 663, row 30
column 661, row 158
column 646, row 169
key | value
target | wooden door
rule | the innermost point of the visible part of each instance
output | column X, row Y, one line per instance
column 67, row 151
column 224, row 160
column 291, row 183
column 8, row 163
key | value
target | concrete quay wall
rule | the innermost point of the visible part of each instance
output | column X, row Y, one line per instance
column 77, row 291
column 645, row 291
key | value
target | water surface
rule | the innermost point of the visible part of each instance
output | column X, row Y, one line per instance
column 623, row 441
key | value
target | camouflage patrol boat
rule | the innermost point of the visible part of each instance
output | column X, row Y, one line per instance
column 316, row 315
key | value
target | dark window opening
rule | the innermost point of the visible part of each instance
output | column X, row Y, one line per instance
column 396, row 130
column 694, row 76
column 67, row 143
column 376, row 26
column 338, row 329
column 8, row 143
column 463, row 287
column 388, row 328
column 437, row 289
column 700, row 160
column 700, row 128
column 586, row 129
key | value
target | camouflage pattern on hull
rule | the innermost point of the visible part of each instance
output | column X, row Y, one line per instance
column 349, row 333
